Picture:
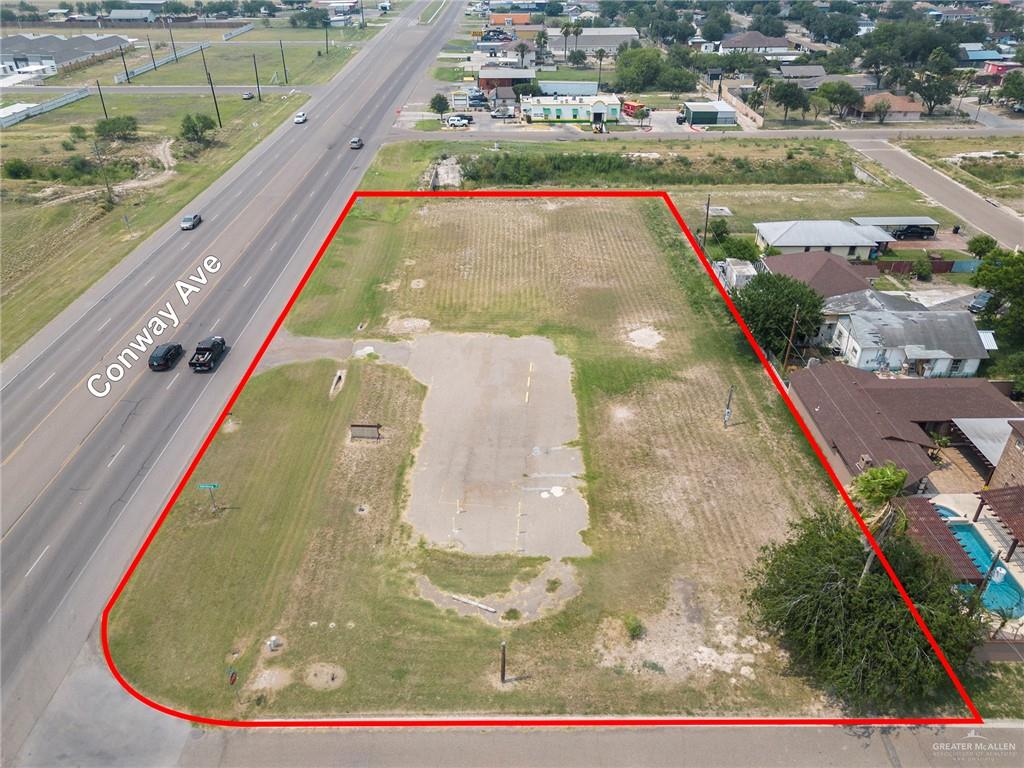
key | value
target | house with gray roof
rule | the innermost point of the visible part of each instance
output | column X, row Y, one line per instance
column 132, row 16
column 55, row 52
column 924, row 343
column 854, row 241
column 592, row 38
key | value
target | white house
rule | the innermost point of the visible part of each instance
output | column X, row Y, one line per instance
column 755, row 42
column 570, row 109
column 592, row 39
column 853, row 241
column 925, row 343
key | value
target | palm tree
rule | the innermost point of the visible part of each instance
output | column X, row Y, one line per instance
column 577, row 30
column 874, row 489
column 522, row 49
column 541, row 41
column 566, row 31
column 600, row 53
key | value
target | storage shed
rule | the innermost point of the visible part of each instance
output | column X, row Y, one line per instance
column 709, row 113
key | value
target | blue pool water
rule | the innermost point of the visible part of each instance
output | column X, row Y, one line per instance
column 1008, row 593
column 945, row 513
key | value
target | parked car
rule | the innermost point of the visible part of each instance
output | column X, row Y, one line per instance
column 914, row 232
column 680, row 119
column 208, row 353
column 164, row 357
column 191, row 221
column 248, row 96
column 355, row 143
column 456, row 122
column 979, row 302
column 300, row 117
column 464, row 116
column 502, row 113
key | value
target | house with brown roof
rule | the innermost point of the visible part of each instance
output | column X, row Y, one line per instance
column 509, row 19
column 827, row 273
column 861, row 420
column 902, row 109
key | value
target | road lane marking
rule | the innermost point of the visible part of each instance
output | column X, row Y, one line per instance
column 247, row 281
column 47, row 380
column 37, row 561
column 184, row 248
column 274, row 245
column 150, row 280
column 115, row 456
column 105, row 324
column 214, row 324
column 173, row 380
column 295, row 217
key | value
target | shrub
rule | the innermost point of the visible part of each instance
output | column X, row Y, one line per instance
column 634, row 627
column 68, row 144
column 553, row 585
column 511, row 614
column 124, row 128
column 16, row 168
column 719, row 228
column 923, row 269
column 78, row 133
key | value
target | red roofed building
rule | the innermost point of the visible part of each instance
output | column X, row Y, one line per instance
column 902, row 109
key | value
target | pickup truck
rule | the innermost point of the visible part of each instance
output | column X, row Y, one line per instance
column 208, row 354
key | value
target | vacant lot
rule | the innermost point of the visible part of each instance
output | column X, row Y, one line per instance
column 992, row 166
column 313, row 545
column 57, row 242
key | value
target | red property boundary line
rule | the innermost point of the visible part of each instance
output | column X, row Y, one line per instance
column 425, row 722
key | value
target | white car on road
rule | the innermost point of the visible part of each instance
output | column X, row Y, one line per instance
column 457, row 122
column 300, row 117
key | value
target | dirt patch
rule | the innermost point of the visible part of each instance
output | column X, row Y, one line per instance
column 271, row 679
column 644, row 338
column 401, row 326
column 417, row 284
column 231, row 424
column 324, row 677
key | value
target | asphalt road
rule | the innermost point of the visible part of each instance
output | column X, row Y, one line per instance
column 85, row 477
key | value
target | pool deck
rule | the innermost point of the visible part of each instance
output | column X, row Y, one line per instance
column 994, row 534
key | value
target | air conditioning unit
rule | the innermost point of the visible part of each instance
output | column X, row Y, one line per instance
column 864, row 462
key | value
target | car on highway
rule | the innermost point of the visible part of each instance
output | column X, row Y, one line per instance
column 456, row 122
column 914, row 232
column 979, row 302
column 191, row 221
column 248, row 96
column 355, row 143
column 208, row 353
column 165, row 357
column 464, row 116
column 300, row 117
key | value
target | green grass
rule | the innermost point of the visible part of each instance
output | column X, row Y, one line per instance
column 1000, row 178
column 430, row 124
column 475, row 575
column 53, row 254
column 459, row 45
column 885, row 283
column 575, row 74
column 449, row 74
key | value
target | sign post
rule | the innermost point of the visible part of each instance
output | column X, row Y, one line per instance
column 211, row 487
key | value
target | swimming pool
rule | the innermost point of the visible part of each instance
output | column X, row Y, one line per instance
column 945, row 512
column 1006, row 594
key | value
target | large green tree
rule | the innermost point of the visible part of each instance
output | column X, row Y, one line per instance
column 1002, row 273
column 790, row 96
column 1013, row 86
column 841, row 96
column 933, row 90
column 768, row 304
column 858, row 640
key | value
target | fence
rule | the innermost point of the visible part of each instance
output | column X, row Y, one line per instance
column 182, row 52
column 939, row 266
column 46, row 106
column 239, row 31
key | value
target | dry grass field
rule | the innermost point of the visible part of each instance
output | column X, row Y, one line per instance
column 314, row 547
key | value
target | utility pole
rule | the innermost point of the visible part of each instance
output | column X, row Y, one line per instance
column 327, row 25
column 151, row 56
column 284, row 66
column 102, row 102
column 259, row 95
column 728, row 408
column 502, row 662
column 209, row 79
column 103, row 169
column 789, row 339
column 704, row 234
column 362, row 18
column 205, row 68
column 125, row 65
column 174, row 48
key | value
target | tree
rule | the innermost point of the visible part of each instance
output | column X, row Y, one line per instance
column 1006, row 20
column 553, row 9
column 642, row 114
column 522, row 49
column 1009, row 367
column 600, row 53
column 177, row 8
column 541, row 41
column 194, row 128
column 979, row 245
column 1013, row 86
column 637, row 69
column 740, row 248
column 1001, row 272
column 125, row 128
column 772, row 26
column 818, row 105
column 933, row 90
column 859, row 641
column 789, row 96
column 881, row 108
column 713, row 30
column 768, row 304
column 577, row 57
column 876, row 61
column 439, row 104
column 719, row 229
column 841, row 96
column 566, row 33
column 676, row 79
column 577, row 30
column 755, row 99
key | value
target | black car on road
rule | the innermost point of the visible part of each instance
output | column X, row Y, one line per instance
column 208, row 353
column 165, row 357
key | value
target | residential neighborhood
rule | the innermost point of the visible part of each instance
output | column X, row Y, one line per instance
column 521, row 382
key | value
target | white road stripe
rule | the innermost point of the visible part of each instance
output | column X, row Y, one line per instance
column 115, row 456
column 47, row 380
column 274, row 245
column 247, row 281
column 37, row 561
column 173, row 380
column 150, row 280
column 215, row 322
column 295, row 217
column 105, row 322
